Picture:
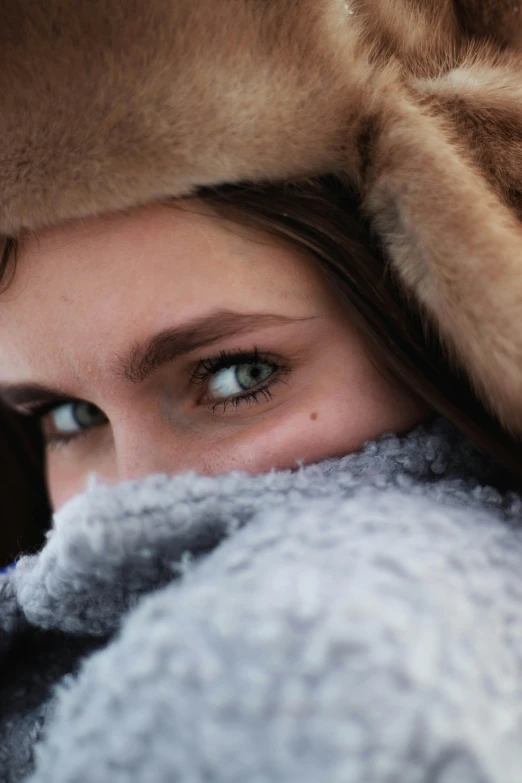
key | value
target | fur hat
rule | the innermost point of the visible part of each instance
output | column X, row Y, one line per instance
column 107, row 104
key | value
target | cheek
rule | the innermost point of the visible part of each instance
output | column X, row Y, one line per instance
column 67, row 476
column 318, row 426
column 62, row 484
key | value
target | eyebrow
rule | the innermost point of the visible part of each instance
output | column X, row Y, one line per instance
column 143, row 358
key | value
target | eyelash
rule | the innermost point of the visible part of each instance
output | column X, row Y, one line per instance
column 230, row 359
column 204, row 369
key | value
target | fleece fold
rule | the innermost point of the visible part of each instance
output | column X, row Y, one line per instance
column 359, row 619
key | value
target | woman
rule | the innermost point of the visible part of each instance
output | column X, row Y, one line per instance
column 168, row 362
column 336, row 610
column 370, row 365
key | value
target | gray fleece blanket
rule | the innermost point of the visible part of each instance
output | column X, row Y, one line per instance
column 353, row 621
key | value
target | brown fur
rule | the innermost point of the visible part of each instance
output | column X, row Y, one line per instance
column 106, row 104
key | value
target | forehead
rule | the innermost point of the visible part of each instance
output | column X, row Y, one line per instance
column 149, row 239
column 99, row 283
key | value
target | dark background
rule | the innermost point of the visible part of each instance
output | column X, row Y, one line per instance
column 24, row 504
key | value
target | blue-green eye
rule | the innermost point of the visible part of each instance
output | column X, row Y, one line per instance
column 239, row 378
column 73, row 417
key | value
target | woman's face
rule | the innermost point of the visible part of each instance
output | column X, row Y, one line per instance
column 169, row 340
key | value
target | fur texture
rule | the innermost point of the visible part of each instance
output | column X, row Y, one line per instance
column 416, row 102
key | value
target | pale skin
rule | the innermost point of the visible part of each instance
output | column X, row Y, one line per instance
column 89, row 292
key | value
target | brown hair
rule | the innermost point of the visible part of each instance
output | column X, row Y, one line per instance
column 322, row 216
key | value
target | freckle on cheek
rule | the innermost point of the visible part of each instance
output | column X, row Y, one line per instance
column 313, row 416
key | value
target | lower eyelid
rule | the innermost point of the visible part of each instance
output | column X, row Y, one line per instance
column 247, row 397
column 56, row 442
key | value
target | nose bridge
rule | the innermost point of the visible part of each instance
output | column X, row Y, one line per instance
column 145, row 447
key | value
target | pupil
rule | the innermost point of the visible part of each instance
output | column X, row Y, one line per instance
column 84, row 413
column 249, row 375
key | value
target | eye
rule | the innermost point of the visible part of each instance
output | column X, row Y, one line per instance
column 73, row 417
column 238, row 378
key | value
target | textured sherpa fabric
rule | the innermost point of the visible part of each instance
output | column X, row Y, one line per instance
column 354, row 621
